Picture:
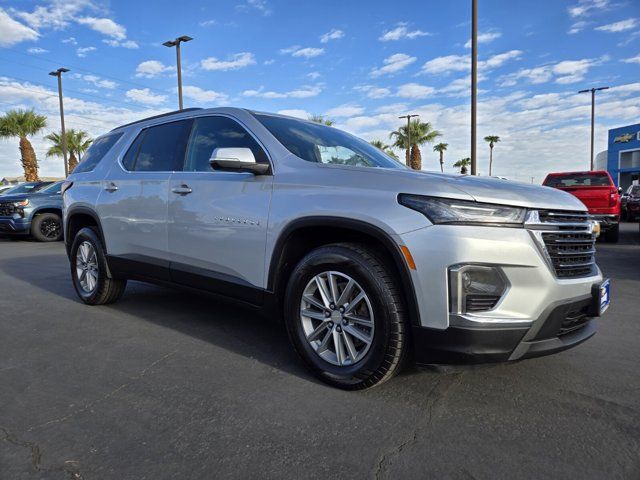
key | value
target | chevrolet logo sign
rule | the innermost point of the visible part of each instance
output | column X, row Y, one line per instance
column 624, row 138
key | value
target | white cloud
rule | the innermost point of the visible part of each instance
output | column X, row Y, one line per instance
column 635, row 59
column 333, row 34
column 564, row 72
column 400, row 32
column 485, row 37
column 125, row 44
column 106, row 26
column 373, row 91
column 346, row 110
column 307, row 52
column 313, row 75
column 12, row 31
column 394, row 108
column 261, row 6
column 37, row 50
column 393, row 64
column 70, row 41
column 234, row 62
column 82, row 51
column 152, row 68
column 208, row 23
column 295, row 113
column 204, row 96
column 621, row 26
column 414, row 90
column 496, row 61
column 446, row 64
column 586, row 7
column 98, row 81
column 302, row 92
column 56, row 15
column 577, row 27
column 144, row 96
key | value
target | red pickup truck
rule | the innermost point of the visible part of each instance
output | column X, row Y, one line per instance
column 599, row 194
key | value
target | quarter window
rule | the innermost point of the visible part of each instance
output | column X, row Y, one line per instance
column 159, row 149
column 98, row 149
column 210, row 133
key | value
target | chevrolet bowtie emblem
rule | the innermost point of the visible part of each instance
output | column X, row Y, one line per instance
column 627, row 137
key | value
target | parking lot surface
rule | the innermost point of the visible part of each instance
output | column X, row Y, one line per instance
column 167, row 384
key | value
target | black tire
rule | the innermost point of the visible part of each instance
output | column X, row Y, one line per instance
column 107, row 290
column 613, row 234
column 389, row 345
column 47, row 227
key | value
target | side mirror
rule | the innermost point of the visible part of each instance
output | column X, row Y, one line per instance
column 237, row 160
column 620, row 190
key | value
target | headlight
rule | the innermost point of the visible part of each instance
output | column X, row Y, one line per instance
column 444, row 210
column 21, row 203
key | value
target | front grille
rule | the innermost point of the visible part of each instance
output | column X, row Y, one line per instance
column 481, row 303
column 568, row 242
column 6, row 209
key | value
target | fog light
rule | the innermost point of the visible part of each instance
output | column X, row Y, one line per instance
column 475, row 288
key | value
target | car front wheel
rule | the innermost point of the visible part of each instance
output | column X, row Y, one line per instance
column 89, row 270
column 345, row 316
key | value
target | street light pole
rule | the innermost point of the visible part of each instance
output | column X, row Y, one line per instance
column 176, row 43
column 63, row 136
column 593, row 117
column 474, row 82
column 409, row 117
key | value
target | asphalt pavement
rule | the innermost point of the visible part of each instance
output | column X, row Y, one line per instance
column 171, row 385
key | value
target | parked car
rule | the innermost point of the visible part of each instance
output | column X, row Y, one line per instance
column 26, row 187
column 359, row 254
column 37, row 213
column 598, row 192
column 630, row 203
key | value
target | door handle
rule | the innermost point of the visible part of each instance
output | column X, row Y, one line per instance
column 111, row 187
column 182, row 190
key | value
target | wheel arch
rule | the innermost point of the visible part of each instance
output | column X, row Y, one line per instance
column 303, row 235
column 78, row 218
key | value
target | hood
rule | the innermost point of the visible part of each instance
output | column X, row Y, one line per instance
column 480, row 189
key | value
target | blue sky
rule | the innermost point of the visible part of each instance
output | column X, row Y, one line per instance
column 360, row 63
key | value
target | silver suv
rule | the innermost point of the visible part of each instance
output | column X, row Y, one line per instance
column 369, row 263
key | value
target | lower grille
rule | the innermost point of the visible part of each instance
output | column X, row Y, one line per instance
column 574, row 320
column 568, row 242
column 481, row 303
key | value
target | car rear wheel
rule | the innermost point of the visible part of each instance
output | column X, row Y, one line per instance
column 89, row 270
column 47, row 227
column 345, row 316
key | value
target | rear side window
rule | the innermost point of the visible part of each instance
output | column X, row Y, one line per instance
column 159, row 149
column 578, row 180
column 210, row 133
column 98, row 149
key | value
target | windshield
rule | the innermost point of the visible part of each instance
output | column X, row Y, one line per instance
column 321, row 144
column 29, row 187
column 578, row 180
column 52, row 189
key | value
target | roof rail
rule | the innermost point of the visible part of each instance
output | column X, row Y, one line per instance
column 168, row 114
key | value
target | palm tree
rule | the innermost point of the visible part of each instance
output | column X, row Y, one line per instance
column 22, row 124
column 78, row 141
column 379, row 144
column 420, row 133
column 441, row 147
column 492, row 139
column 321, row 120
column 462, row 165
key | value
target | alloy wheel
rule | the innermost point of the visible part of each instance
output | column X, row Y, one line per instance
column 87, row 266
column 337, row 318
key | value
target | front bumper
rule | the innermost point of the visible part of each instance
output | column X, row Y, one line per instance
column 564, row 326
column 526, row 322
column 13, row 226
